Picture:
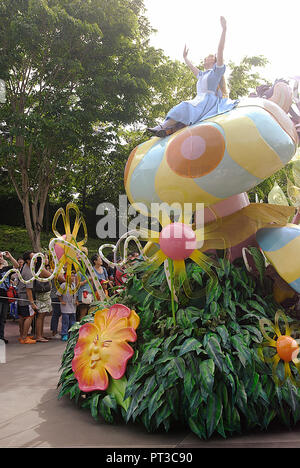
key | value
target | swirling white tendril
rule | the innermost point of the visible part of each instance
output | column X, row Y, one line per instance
column 36, row 275
column 131, row 236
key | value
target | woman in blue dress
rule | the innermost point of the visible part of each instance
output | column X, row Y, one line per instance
column 211, row 92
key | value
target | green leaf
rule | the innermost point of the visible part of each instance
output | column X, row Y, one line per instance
column 189, row 382
column 155, row 402
column 168, row 341
column 207, row 375
column 213, row 413
column 150, row 385
column 182, row 319
column 110, row 402
column 74, row 390
column 106, row 405
column 268, row 417
column 224, row 334
column 254, row 381
column 229, row 363
column 241, row 397
column 136, row 400
column 165, row 358
column 214, row 308
column 155, row 343
column 293, row 401
column 255, row 305
column 162, row 415
column 173, row 400
column 213, row 349
column 259, row 261
column 180, row 366
column 197, row 428
column 231, row 309
column 223, row 393
column 117, row 388
column 94, row 405
column 195, row 401
column 255, row 333
column 231, row 419
column 66, row 388
column 231, row 380
column 147, row 318
column 149, row 355
column 244, row 353
column 220, row 428
column 191, row 344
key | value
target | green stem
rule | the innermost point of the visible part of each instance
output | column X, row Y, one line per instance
column 171, row 270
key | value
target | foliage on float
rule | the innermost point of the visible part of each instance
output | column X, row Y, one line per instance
column 205, row 372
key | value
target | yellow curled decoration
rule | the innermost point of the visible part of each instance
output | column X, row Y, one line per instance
column 69, row 258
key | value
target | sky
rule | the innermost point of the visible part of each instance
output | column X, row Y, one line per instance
column 254, row 27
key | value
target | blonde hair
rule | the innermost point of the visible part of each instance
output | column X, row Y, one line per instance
column 222, row 85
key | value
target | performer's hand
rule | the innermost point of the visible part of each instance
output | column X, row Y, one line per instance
column 185, row 52
column 223, row 22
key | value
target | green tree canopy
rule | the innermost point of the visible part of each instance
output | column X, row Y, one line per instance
column 67, row 64
column 244, row 76
column 81, row 84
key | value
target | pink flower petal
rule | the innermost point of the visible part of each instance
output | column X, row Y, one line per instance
column 117, row 359
column 120, row 334
column 92, row 379
column 87, row 334
column 134, row 320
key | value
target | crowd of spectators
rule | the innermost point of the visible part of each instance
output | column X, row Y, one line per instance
column 31, row 302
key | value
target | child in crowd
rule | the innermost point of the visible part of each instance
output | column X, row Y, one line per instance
column 68, row 304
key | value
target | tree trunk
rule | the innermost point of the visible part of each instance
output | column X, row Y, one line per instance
column 33, row 211
column 34, row 236
column 84, row 190
column 47, row 215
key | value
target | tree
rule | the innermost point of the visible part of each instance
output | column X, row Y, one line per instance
column 243, row 78
column 66, row 64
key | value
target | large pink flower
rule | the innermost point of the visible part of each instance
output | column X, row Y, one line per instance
column 102, row 347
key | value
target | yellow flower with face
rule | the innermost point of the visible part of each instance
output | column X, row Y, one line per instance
column 282, row 347
column 102, row 347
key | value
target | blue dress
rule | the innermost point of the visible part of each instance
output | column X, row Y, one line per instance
column 207, row 103
column 102, row 276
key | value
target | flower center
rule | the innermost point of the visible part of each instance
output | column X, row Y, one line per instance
column 96, row 350
column 177, row 241
column 287, row 348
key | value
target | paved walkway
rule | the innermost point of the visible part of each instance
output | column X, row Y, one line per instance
column 31, row 416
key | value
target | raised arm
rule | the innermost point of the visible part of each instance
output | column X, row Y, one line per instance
column 220, row 60
column 12, row 259
column 192, row 67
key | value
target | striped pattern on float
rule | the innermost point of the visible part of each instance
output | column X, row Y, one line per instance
column 281, row 246
column 214, row 159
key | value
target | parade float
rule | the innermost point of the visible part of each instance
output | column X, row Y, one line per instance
column 205, row 333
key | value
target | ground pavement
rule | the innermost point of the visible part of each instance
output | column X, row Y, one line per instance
column 32, row 416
